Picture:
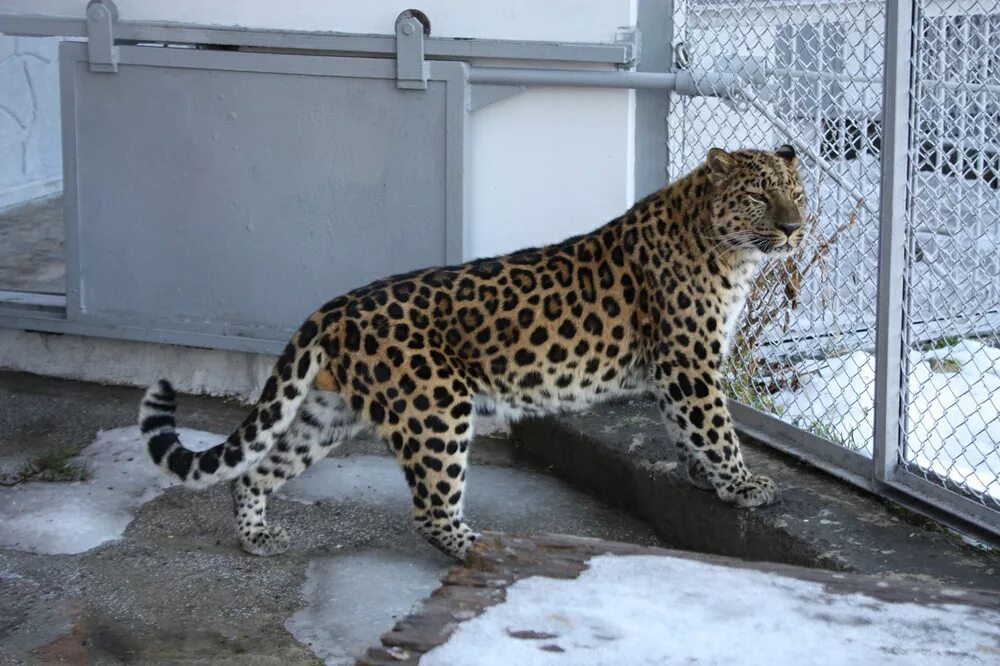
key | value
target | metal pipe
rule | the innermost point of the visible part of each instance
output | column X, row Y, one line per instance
column 515, row 76
column 702, row 84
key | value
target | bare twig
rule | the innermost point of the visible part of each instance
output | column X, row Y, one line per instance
column 774, row 295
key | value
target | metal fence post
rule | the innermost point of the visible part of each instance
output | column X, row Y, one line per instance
column 889, row 366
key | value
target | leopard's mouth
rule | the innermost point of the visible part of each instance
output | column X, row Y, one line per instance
column 774, row 247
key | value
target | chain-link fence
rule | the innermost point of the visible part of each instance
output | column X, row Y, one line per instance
column 814, row 74
column 951, row 393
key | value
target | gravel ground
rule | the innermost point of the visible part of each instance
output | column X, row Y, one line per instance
column 176, row 588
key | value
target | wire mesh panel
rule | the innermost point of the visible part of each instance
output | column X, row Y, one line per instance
column 951, row 360
column 811, row 75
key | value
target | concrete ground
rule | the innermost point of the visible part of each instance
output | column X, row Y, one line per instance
column 176, row 588
column 32, row 254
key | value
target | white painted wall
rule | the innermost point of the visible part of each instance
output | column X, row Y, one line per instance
column 548, row 164
column 30, row 153
column 545, row 164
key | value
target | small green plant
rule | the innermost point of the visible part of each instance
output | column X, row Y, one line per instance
column 53, row 465
column 941, row 343
column 828, row 432
column 944, row 365
column 737, row 388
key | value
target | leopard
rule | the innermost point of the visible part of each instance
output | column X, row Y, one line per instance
column 646, row 304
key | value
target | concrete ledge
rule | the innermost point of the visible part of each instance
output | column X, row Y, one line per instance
column 620, row 453
column 212, row 372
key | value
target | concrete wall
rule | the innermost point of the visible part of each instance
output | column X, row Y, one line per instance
column 30, row 154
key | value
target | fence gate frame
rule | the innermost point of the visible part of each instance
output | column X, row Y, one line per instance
column 885, row 473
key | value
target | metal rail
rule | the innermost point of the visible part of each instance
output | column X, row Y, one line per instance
column 619, row 54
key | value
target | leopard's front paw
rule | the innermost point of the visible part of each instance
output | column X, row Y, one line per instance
column 757, row 490
column 698, row 476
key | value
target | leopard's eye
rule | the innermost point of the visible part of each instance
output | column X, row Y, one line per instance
column 800, row 198
column 756, row 198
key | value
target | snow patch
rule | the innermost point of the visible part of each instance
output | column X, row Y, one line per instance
column 55, row 517
column 658, row 468
column 352, row 600
column 662, row 610
column 953, row 408
column 637, row 442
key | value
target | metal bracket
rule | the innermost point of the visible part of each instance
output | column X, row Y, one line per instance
column 101, row 18
column 412, row 26
column 630, row 37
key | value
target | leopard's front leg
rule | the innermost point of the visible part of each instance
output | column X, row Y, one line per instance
column 694, row 410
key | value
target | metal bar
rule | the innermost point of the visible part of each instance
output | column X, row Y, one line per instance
column 793, row 440
column 703, row 84
column 514, row 76
column 32, row 300
column 42, row 26
column 654, row 17
column 621, row 54
column 964, row 508
column 916, row 494
column 892, row 232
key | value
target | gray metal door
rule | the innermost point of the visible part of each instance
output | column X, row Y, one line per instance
column 287, row 180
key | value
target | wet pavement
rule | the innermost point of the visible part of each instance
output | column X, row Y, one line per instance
column 174, row 587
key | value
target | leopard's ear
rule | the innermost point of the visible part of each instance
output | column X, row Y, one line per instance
column 719, row 164
column 787, row 152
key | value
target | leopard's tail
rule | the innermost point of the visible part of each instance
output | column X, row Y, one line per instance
column 273, row 414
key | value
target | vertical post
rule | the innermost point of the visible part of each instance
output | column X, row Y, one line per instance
column 892, row 238
column 654, row 19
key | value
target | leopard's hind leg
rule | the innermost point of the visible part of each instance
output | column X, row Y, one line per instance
column 432, row 445
column 322, row 422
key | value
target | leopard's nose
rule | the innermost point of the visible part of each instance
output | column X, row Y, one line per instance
column 790, row 227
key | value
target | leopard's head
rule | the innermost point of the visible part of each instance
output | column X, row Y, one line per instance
column 759, row 202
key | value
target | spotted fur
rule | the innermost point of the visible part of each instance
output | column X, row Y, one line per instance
column 646, row 303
